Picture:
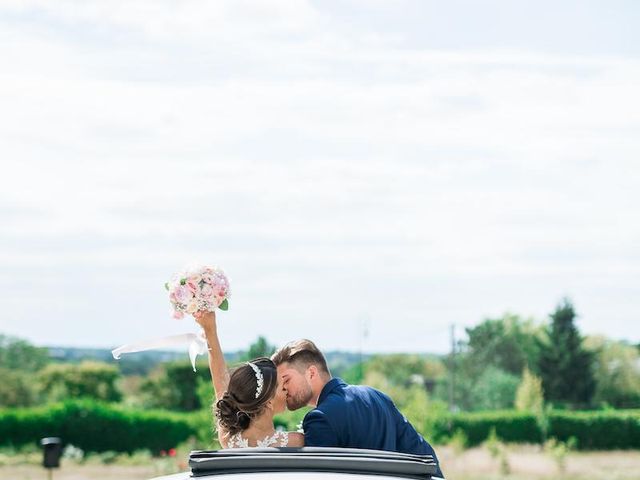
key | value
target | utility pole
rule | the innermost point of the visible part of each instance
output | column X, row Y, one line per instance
column 452, row 369
column 364, row 334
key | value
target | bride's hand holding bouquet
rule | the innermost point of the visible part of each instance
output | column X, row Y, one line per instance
column 196, row 291
column 207, row 320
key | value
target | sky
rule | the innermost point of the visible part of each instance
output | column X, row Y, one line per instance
column 368, row 173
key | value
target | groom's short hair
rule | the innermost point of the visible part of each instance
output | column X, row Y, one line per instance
column 301, row 353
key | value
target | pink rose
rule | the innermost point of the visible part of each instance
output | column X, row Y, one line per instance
column 192, row 286
column 206, row 291
column 207, row 277
column 183, row 294
column 178, row 315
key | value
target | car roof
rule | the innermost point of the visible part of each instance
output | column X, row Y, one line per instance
column 309, row 462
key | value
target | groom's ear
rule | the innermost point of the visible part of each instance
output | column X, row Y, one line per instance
column 313, row 371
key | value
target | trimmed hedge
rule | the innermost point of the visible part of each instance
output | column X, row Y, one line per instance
column 96, row 427
column 511, row 426
column 594, row 430
column 606, row 430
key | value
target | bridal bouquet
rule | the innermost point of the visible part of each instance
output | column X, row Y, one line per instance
column 200, row 288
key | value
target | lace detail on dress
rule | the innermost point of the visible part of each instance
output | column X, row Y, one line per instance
column 278, row 439
column 236, row 441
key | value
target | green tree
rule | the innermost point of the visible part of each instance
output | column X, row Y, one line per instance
column 424, row 413
column 205, row 393
column 402, row 370
column 260, row 348
column 18, row 354
column 59, row 381
column 530, row 396
column 565, row 366
column 617, row 372
column 495, row 389
column 508, row 343
column 353, row 375
column 490, row 362
column 176, row 386
column 16, row 389
column 407, row 383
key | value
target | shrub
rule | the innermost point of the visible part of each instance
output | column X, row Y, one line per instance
column 600, row 430
column 617, row 372
column 203, row 427
column 593, row 430
column 530, row 396
column 16, row 388
column 510, row 426
column 494, row 389
column 95, row 427
column 458, row 442
column 498, row 450
column 59, row 381
column 558, row 451
column 99, row 427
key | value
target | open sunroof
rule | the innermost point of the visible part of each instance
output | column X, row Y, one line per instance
column 311, row 459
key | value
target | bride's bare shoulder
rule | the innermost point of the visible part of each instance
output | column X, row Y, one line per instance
column 296, row 439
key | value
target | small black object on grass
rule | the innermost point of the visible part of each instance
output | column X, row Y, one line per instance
column 52, row 451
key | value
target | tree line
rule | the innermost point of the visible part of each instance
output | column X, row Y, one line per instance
column 503, row 363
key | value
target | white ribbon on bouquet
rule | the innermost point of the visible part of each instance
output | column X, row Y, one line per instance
column 196, row 345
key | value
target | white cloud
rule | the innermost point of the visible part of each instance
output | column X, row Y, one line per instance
column 334, row 174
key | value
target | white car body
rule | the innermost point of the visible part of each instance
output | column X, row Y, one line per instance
column 281, row 475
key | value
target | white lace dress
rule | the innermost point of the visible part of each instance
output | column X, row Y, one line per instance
column 278, row 439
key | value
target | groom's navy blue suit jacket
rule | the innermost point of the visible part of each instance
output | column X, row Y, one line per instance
column 354, row 416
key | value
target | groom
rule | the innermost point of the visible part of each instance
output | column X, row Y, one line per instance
column 344, row 415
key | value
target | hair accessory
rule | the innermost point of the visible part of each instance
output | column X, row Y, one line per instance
column 259, row 378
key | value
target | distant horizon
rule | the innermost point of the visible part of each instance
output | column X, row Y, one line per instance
column 177, row 350
column 459, row 337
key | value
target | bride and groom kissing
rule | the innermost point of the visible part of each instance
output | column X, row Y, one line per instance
column 295, row 376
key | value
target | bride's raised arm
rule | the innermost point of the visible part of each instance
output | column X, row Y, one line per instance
column 217, row 365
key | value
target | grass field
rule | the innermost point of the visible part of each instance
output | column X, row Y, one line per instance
column 530, row 463
column 522, row 463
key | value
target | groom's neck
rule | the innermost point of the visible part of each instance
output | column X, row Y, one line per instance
column 317, row 387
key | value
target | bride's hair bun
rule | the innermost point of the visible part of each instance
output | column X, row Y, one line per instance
column 239, row 405
column 244, row 420
column 230, row 416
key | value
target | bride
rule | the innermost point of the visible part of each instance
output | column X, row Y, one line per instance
column 247, row 398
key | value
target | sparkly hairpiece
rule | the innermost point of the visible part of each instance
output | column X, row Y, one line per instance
column 259, row 378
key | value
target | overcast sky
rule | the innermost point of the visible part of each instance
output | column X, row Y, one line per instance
column 399, row 165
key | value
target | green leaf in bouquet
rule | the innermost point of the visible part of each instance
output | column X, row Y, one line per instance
column 224, row 305
column 183, row 281
column 166, row 285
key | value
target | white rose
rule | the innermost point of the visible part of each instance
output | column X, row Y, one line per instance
column 192, row 307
